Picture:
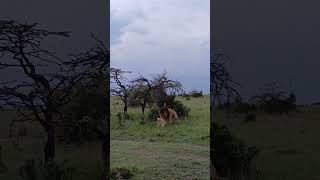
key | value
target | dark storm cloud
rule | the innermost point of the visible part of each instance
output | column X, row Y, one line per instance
column 270, row 41
column 81, row 17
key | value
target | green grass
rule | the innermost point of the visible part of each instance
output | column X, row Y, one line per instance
column 289, row 144
column 179, row 151
column 158, row 160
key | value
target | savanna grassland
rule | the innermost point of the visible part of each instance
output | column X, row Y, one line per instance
column 289, row 144
column 84, row 158
column 178, row 151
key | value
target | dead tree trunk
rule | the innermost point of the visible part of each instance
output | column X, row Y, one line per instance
column 125, row 108
column 143, row 110
column 49, row 150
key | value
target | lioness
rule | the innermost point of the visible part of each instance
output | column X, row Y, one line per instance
column 161, row 122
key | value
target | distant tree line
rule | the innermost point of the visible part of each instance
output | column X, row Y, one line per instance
column 193, row 93
column 271, row 100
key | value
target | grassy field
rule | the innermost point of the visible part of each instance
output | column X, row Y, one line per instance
column 289, row 144
column 179, row 151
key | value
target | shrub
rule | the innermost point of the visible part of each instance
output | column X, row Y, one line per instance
column 82, row 130
column 153, row 114
column 160, row 100
column 188, row 98
column 125, row 116
column 128, row 116
column 121, row 117
column 181, row 109
column 231, row 155
column 132, row 99
column 186, row 95
column 121, row 173
column 84, row 114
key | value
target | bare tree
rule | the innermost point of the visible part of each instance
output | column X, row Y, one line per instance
column 122, row 87
column 222, row 86
column 95, row 63
column 31, row 96
column 47, row 83
column 222, row 83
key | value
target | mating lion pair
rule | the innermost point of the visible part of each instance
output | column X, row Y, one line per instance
column 167, row 115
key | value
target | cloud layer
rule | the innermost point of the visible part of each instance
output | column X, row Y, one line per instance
column 149, row 36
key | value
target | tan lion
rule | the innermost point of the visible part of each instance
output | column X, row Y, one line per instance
column 161, row 122
column 167, row 114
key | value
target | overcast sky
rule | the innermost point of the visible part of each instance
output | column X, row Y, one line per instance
column 270, row 40
column 150, row 36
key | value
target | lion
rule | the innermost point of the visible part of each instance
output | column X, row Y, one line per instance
column 161, row 122
column 168, row 114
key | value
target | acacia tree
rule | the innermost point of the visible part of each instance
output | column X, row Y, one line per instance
column 159, row 89
column 122, row 88
column 32, row 95
column 222, row 84
column 165, row 89
column 47, row 83
column 95, row 63
column 142, row 89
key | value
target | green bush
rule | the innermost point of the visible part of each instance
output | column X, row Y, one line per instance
column 121, row 173
column 181, row 109
column 133, row 101
column 153, row 114
column 125, row 116
column 186, row 95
